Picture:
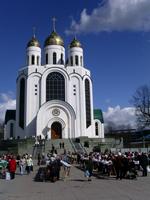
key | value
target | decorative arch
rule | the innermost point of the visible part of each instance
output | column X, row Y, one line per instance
column 66, row 117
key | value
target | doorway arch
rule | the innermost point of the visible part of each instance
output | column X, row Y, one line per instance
column 56, row 130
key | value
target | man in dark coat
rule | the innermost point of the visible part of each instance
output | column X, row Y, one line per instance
column 144, row 163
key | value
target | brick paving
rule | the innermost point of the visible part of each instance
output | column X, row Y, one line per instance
column 75, row 188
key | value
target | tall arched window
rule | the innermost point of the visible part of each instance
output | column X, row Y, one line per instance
column 22, row 103
column 96, row 128
column 54, row 58
column 32, row 59
column 71, row 60
column 76, row 60
column 11, row 130
column 46, row 58
column 55, row 87
column 87, row 103
column 62, row 59
column 38, row 59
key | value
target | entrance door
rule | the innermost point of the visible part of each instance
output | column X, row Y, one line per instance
column 56, row 130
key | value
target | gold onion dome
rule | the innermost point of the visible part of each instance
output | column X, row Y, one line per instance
column 75, row 43
column 54, row 39
column 33, row 42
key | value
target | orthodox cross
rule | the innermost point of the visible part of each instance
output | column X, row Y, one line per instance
column 54, row 23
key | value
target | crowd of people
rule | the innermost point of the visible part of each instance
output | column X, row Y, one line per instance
column 117, row 165
column 10, row 162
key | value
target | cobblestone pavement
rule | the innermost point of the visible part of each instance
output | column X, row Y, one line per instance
column 75, row 188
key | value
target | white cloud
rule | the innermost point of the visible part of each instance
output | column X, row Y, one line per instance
column 7, row 101
column 120, row 116
column 114, row 15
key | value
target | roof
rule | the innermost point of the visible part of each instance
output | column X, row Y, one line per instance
column 10, row 115
column 98, row 115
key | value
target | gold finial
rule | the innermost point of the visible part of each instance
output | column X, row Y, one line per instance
column 54, row 23
column 34, row 31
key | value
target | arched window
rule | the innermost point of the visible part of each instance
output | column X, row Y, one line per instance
column 55, row 87
column 27, row 60
column 71, row 60
column 62, row 59
column 81, row 63
column 22, row 103
column 87, row 103
column 76, row 60
column 32, row 59
column 46, row 59
column 54, row 58
column 38, row 59
column 96, row 129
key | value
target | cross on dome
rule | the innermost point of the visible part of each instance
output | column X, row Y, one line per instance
column 54, row 23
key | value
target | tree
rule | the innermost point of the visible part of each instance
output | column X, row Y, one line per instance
column 141, row 102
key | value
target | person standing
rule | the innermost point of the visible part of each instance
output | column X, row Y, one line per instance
column 144, row 163
column 22, row 165
column 12, row 167
column 89, row 167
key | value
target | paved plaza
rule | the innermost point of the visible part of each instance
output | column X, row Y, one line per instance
column 76, row 187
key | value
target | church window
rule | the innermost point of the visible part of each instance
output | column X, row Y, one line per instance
column 35, row 93
column 76, row 60
column 54, row 58
column 55, row 87
column 35, row 85
column 11, row 130
column 32, row 59
column 22, row 103
column 27, row 60
column 96, row 129
column 71, row 60
column 46, row 58
column 62, row 59
column 87, row 103
column 81, row 60
column 38, row 58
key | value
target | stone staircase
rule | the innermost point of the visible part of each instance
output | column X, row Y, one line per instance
column 56, row 143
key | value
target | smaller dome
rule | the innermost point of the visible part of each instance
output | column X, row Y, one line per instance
column 54, row 39
column 75, row 43
column 33, row 43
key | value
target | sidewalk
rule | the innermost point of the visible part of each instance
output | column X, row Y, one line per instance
column 76, row 187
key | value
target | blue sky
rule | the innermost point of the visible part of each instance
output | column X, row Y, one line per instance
column 114, row 33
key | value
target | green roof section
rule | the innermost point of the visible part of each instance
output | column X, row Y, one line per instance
column 10, row 115
column 98, row 115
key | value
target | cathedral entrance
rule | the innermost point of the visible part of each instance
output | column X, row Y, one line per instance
column 56, row 130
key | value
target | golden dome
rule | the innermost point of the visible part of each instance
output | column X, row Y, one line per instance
column 33, row 43
column 54, row 39
column 75, row 43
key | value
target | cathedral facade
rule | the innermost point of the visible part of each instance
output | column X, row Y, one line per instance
column 54, row 99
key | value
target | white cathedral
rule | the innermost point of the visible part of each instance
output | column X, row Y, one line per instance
column 54, row 99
